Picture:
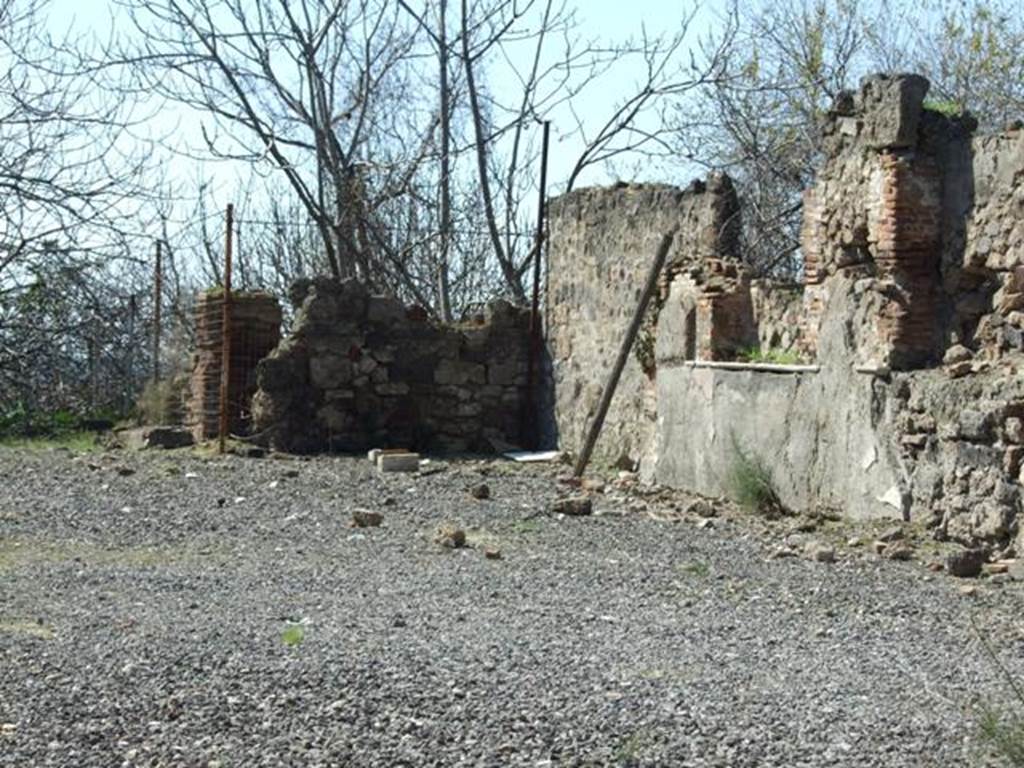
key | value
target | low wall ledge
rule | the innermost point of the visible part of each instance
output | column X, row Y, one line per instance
column 763, row 367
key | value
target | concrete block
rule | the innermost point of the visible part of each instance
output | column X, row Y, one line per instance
column 398, row 462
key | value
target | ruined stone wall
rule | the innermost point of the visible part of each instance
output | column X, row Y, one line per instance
column 362, row 371
column 983, row 243
column 255, row 331
column 777, row 312
column 913, row 307
column 912, row 312
column 601, row 245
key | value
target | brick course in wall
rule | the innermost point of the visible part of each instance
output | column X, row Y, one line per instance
column 255, row 331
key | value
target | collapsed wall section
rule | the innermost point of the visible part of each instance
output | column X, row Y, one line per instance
column 363, row 371
column 601, row 245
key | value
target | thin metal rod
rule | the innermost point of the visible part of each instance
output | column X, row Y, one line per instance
column 158, row 286
column 225, row 343
column 531, row 421
column 627, row 344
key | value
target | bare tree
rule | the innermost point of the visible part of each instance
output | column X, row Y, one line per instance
column 69, row 205
column 761, row 119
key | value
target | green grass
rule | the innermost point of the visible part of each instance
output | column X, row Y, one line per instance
column 293, row 635
column 629, row 749
column 26, row 628
column 752, row 484
column 76, row 442
column 774, row 356
column 1005, row 734
column 695, row 568
column 526, row 526
column 18, row 553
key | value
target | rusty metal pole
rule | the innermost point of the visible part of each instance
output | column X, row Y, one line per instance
column 158, row 290
column 225, row 339
column 627, row 344
column 531, row 420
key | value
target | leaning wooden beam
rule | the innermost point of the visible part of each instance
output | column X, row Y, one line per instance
column 627, row 344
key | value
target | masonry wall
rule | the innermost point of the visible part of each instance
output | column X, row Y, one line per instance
column 601, row 245
column 912, row 314
column 361, row 371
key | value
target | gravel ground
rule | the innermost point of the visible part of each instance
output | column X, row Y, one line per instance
column 143, row 618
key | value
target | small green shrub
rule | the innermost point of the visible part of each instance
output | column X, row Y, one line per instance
column 774, row 356
column 752, row 484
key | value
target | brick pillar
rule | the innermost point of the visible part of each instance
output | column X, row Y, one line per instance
column 812, row 237
column 907, row 242
column 255, row 332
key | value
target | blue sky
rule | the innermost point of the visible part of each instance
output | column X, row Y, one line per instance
column 606, row 20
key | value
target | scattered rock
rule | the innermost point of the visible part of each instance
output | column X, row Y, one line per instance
column 705, row 523
column 781, row 553
column 893, row 534
column 594, row 485
column 450, row 536
column 625, row 464
column 481, row 491
column 398, row 461
column 167, row 437
column 804, row 525
column 625, row 479
column 492, row 553
column 958, row 353
column 898, row 550
column 967, row 563
column 957, row 370
column 125, row 471
column 854, row 542
column 702, row 508
column 364, row 518
column 819, row 553
column 995, row 568
column 935, row 566
column 573, row 506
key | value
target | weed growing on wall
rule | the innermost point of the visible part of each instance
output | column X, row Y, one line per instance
column 774, row 356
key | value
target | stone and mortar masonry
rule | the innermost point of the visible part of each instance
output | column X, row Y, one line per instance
column 361, row 371
column 913, row 307
column 601, row 245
